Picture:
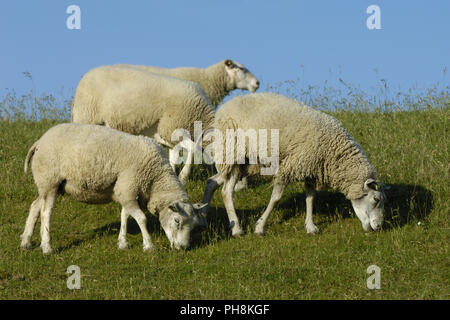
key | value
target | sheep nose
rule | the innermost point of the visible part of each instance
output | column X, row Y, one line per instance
column 257, row 83
column 376, row 225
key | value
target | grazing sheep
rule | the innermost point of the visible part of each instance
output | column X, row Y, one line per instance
column 217, row 80
column 140, row 102
column 313, row 147
column 95, row 164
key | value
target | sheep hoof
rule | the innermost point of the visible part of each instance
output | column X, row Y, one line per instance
column 312, row 229
column 260, row 233
column 259, row 230
column 25, row 245
column 148, row 248
column 124, row 245
column 46, row 249
column 237, row 234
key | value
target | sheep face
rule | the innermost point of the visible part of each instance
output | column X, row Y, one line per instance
column 178, row 220
column 241, row 77
column 370, row 207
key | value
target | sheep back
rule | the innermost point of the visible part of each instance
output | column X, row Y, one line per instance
column 213, row 79
column 133, row 101
column 313, row 146
column 95, row 164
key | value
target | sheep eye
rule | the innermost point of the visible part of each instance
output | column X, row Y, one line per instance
column 177, row 220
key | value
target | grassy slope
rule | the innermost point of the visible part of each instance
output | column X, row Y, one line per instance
column 410, row 151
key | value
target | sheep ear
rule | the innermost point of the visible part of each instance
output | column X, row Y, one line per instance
column 228, row 63
column 370, row 184
column 199, row 206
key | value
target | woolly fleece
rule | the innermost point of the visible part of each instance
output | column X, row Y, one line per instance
column 95, row 164
column 140, row 102
column 313, row 146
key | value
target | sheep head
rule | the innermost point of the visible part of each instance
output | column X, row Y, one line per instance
column 240, row 76
column 370, row 207
column 178, row 220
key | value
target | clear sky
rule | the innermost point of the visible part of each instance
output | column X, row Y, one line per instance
column 274, row 39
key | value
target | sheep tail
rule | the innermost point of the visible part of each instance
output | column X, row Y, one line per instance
column 29, row 156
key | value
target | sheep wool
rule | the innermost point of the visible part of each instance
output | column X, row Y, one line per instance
column 95, row 164
column 214, row 79
column 140, row 102
column 313, row 146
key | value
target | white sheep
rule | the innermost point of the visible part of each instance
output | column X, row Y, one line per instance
column 140, row 102
column 218, row 80
column 95, row 164
column 313, row 148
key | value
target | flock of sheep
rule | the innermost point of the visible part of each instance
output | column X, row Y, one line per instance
column 122, row 114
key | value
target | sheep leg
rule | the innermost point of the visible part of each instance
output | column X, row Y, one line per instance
column 122, row 241
column 173, row 158
column 46, row 214
column 132, row 209
column 184, row 174
column 309, row 224
column 35, row 209
column 212, row 184
column 277, row 192
column 173, row 155
column 227, row 195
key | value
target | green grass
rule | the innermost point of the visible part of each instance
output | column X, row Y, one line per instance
column 410, row 150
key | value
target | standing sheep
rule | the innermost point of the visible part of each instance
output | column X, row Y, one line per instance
column 95, row 164
column 217, row 80
column 140, row 102
column 313, row 148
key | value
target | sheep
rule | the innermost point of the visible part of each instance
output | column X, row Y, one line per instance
column 217, row 80
column 313, row 147
column 95, row 164
column 140, row 102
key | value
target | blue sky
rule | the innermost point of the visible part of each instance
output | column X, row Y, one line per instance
column 274, row 39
